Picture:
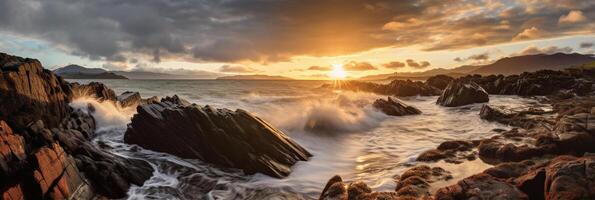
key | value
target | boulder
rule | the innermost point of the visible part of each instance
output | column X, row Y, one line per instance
column 95, row 90
column 439, row 81
column 227, row 138
column 461, row 92
column 395, row 107
column 480, row 186
column 415, row 182
column 29, row 93
column 336, row 189
column 128, row 99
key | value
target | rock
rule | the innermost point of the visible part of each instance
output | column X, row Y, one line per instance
column 395, row 107
column 151, row 100
column 12, row 151
column 460, row 92
column 410, row 88
column 57, row 174
column 191, row 131
column 567, row 178
column 95, row 90
column 524, row 119
column 454, row 151
column 128, row 99
column 29, row 93
column 480, row 186
column 439, row 81
column 415, row 182
column 394, row 88
column 336, row 189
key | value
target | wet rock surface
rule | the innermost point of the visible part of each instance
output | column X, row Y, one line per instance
column 94, row 89
column 395, row 107
column 228, row 138
column 44, row 142
column 462, row 92
column 129, row 99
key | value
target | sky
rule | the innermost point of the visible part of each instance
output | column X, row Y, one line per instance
column 304, row 39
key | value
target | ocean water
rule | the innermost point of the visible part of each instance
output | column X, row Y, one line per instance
column 356, row 141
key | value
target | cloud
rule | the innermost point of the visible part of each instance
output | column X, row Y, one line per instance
column 273, row 31
column 482, row 57
column 532, row 50
column 236, row 69
column 358, row 66
column 586, row 45
column 528, row 34
column 418, row 65
column 319, row 68
column 115, row 66
column 394, row 65
column 574, row 16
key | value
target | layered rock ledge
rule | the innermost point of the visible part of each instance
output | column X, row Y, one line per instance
column 395, row 107
column 223, row 137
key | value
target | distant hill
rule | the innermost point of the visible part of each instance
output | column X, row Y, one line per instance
column 254, row 77
column 506, row 66
column 531, row 63
column 80, row 72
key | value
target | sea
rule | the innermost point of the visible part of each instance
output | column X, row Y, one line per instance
column 358, row 142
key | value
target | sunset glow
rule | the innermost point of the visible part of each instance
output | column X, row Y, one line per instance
column 338, row 72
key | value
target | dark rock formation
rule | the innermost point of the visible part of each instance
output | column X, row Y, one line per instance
column 394, row 88
column 451, row 151
column 528, row 118
column 129, row 98
column 439, row 81
column 29, row 93
column 480, row 186
column 395, row 107
column 235, row 139
column 44, row 142
column 94, row 89
column 459, row 93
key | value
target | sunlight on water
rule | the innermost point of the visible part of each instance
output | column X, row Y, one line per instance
column 341, row 129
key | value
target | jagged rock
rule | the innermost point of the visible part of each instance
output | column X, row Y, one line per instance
column 460, row 92
column 395, row 107
column 95, row 90
column 336, row 189
column 57, row 175
column 525, row 118
column 129, row 98
column 480, row 186
column 191, row 131
column 151, row 100
column 439, row 81
column 12, row 150
column 29, row 93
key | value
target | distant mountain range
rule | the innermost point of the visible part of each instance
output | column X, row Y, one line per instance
column 505, row 66
column 254, row 77
column 80, row 72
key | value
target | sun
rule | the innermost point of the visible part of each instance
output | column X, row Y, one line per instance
column 338, row 72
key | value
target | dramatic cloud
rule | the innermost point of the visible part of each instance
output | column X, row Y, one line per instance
column 532, row 50
column 319, row 68
column 358, row 66
column 574, row 16
column 236, row 69
column 418, row 65
column 586, row 45
column 394, row 65
column 271, row 31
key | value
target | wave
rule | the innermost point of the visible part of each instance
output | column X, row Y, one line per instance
column 337, row 113
column 107, row 114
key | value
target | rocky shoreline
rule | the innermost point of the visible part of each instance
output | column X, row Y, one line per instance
column 46, row 150
column 548, row 155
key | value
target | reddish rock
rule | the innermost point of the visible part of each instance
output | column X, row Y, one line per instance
column 480, row 186
column 567, row 178
column 13, row 193
column 395, row 107
column 415, row 182
column 31, row 93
